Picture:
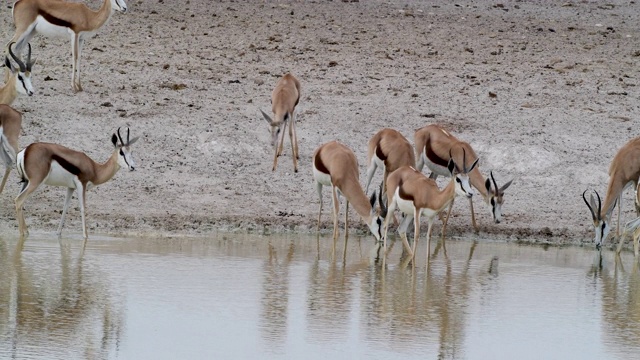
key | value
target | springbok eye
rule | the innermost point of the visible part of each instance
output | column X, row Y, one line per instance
column 458, row 180
column 121, row 152
column 493, row 202
column 20, row 77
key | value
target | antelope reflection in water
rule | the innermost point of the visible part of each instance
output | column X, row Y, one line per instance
column 275, row 294
column 407, row 306
column 40, row 306
column 620, row 303
column 331, row 289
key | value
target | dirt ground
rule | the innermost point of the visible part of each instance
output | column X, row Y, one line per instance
column 546, row 92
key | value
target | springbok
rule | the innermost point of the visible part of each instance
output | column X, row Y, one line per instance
column 17, row 79
column 56, row 18
column 10, row 126
column 435, row 147
column 284, row 98
column 335, row 165
column 624, row 171
column 56, row 165
column 416, row 195
column 389, row 150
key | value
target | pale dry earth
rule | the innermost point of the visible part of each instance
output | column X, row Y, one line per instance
column 545, row 91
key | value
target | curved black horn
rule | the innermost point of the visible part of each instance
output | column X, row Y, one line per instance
column 464, row 161
column 28, row 65
column 16, row 59
column 120, row 137
column 494, row 181
column 593, row 215
column 599, row 204
column 127, row 136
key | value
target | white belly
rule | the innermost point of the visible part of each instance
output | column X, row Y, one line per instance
column 58, row 176
column 407, row 207
column 375, row 159
column 322, row 178
column 50, row 30
column 437, row 169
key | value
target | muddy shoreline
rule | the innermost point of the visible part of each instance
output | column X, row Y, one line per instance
column 546, row 92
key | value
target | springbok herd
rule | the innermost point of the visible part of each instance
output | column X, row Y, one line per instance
column 404, row 186
column 407, row 189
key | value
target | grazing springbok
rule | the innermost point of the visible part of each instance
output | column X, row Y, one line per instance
column 56, row 18
column 10, row 126
column 435, row 147
column 56, row 165
column 17, row 79
column 335, row 165
column 284, row 98
column 623, row 172
column 416, row 195
column 389, row 150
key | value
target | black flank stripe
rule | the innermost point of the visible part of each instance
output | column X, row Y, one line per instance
column 434, row 158
column 380, row 154
column 317, row 162
column 54, row 20
column 404, row 195
column 66, row 165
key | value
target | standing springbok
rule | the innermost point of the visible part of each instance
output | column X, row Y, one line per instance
column 417, row 195
column 284, row 98
column 435, row 147
column 335, row 165
column 56, row 18
column 17, row 80
column 389, row 150
column 57, row 165
column 10, row 126
column 624, row 171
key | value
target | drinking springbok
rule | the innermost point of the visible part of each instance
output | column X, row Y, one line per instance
column 624, row 171
column 435, row 147
column 417, row 195
column 389, row 150
column 335, row 165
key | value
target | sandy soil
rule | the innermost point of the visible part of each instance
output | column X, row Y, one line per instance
column 546, row 93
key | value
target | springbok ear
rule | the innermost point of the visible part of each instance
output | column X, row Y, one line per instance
column 505, row 186
column 451, row 166
column 473, row 165
column 487, row 184
column 611, row 210
column 114, row 140
column 266, row 117
column 133, row 140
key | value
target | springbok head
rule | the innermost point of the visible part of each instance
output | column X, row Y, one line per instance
column 377, row 217
column 119, row 5
column 463, row 188
column 276, row 125
column 22, row 72
column 495, row 197
column 125, row 155
column 599, row 222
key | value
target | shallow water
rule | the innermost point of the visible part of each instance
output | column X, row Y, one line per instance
column 250, row 297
